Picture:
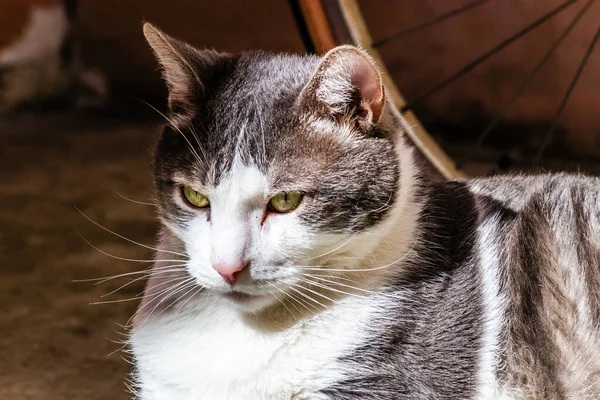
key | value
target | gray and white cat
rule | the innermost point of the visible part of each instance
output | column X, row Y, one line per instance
column 303, row 255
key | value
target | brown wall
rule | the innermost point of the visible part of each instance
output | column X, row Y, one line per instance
column 111, row 34
column 426, row 57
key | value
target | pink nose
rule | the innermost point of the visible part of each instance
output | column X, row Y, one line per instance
column 230, row 271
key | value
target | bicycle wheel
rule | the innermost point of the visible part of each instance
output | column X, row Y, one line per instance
column 331, row 22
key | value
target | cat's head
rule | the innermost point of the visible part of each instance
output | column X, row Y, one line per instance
column 274, row 170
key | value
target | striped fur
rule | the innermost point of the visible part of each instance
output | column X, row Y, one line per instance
column 471, row 289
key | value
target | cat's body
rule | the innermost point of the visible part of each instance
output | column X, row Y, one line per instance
column 451, row 330
column 381, row 284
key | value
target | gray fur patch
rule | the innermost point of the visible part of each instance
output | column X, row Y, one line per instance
column 427, row 335
column 248, row 107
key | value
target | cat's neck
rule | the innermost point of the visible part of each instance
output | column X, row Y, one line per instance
column 396, row 236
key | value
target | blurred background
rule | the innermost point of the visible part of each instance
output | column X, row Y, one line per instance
column 78, row 85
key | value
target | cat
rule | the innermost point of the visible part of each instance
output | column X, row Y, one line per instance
column 40, row 62
column 305, row 254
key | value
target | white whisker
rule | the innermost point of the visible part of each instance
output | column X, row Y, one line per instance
column 165, row 294
column 95, row 303
column 282, row 301
column 191, row 128
column 294, row 299
column 324, row 268
column 137, row 297
column 123, row 258
column 108, row 278
column 127, row 239
column 196, row 155
column 293, row 286
column 334, row 250
column 132, row 200
column 318, row 277
column 171, row 295
column 132, row 281
column 323, row 286
column 182, row 305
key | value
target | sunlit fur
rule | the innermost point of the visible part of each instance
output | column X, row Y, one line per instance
column 381, row 284
column 250, row 355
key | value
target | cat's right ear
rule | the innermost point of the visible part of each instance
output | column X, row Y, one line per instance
column 346, row 84
column 184, row 68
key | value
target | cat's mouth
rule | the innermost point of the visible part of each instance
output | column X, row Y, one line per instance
column 240, row 296
column 247, row 301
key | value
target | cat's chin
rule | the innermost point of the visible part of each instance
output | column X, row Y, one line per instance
column 249, row 302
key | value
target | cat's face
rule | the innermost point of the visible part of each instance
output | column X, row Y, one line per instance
column 275, row 169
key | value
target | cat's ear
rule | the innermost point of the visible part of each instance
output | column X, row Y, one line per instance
column 346, row 83
column 183, row 66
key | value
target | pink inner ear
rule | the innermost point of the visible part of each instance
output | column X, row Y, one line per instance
column 367, row 80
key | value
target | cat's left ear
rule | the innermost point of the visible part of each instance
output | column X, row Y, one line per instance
column 346, row 83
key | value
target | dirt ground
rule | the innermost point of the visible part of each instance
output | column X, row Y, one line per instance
column 54, row 344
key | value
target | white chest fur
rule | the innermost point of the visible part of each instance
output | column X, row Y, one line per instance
column 214, row 352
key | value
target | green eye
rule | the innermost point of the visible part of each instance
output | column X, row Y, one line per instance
column 285, row 202
column 195, row 198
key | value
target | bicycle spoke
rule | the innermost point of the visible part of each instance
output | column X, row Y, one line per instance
column 458, row 74
column 303, row 30
column 525, row 83
column 565, row 99
column 428, row 23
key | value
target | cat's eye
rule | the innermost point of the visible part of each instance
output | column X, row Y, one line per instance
column 194, row 197
column 285, row 202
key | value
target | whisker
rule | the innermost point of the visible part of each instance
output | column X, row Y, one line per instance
column 159, row 284
column 385, row 206
column 123, row 258
column 318, row 278
column 323, row 286
column 391, row 295
column 308, row 306
column 190, row 290
column 294, row 299
column 176, row 128
column 191, row 128
column 325, row 275
column 138, row 297
column 132, row 281
column 292, row 287
column 146, row 271
column 127, row 239
column 324, row 268
column 167, row 293
column 315, row 292
column 95, row 303
column 336, row 249
column 153, row 294
column 132, row 200
column 198, row 290
column 171, row 295
column 282, row 301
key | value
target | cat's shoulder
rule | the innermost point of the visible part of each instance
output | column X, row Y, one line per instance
column 518, row 193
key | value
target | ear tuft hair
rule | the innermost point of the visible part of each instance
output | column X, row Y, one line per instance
column 347, row 83
column 183, row 66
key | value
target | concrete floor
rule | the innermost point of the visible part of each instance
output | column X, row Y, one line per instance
column 54, row 345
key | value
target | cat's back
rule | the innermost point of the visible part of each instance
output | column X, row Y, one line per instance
column 517, row 192
column 546, row 234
